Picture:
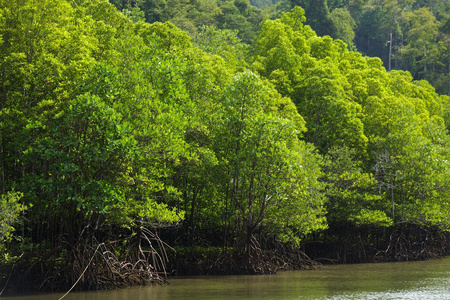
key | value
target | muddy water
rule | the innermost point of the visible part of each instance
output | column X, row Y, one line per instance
column 411, row 280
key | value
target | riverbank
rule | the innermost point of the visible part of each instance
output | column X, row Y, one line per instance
column 337, row 245
column 129, row 264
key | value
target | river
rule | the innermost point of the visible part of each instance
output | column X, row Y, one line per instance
column 408, row 280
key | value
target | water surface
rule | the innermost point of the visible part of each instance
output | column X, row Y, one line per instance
column 411, row 280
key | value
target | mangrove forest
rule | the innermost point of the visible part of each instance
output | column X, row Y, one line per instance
column 142, row 139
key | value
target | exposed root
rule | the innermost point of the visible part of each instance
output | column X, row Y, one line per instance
column 251, row 260
column 412, row 242
column 142, row 264
column 288, row 258
column 137, row 259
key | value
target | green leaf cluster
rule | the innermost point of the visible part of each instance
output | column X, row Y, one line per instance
column 382, row 133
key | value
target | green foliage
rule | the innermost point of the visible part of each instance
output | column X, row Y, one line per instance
column 191, row 16
column 224, row 43
column 64, row 143
column 317, row 16
column 241, row 16
column 10, row 211
column 271, row 177
column 169, row 36
column 345, row 25
column 300, row 64
column 85, row 151
column 263, row 3
column 405, row 34
column 352, row 193
column 423, row 48
column 377, row 125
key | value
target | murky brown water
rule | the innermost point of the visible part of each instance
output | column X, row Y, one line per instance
column 412, row 280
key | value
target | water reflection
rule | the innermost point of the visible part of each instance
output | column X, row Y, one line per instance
column 413, row 280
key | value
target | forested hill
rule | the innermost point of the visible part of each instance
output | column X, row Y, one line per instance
column 190, row 16
column 412, row 35
column 122, row 141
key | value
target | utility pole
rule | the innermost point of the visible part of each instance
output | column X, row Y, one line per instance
column 390, row 50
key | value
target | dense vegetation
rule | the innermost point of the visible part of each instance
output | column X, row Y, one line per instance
column 410, row 35
column 120, row 138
